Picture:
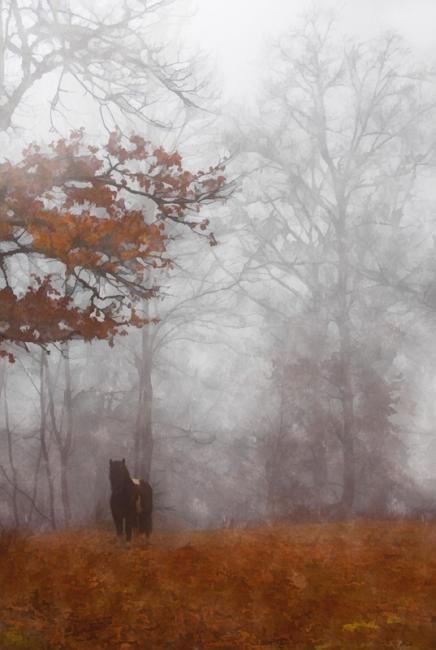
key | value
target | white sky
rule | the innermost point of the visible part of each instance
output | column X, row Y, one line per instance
column 232, row 31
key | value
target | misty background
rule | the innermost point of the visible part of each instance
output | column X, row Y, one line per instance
column 290, row 373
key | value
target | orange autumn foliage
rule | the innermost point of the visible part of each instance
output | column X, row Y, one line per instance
column 91, row 222
column 329, row 586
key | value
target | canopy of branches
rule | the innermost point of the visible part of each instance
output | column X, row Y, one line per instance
column 82, row 228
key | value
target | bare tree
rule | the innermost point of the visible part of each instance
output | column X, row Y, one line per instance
column 104, row 50
column 343, row 138
column 191, row 314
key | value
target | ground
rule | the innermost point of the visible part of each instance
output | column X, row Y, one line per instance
column 359, row 584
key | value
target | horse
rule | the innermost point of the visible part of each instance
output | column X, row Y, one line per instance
column 131, row 500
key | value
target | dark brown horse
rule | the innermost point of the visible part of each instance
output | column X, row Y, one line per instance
column 131, row 500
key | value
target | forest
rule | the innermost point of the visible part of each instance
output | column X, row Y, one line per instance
column 236, row 297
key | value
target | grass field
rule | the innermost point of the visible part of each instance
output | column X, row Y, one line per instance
column 314, row 586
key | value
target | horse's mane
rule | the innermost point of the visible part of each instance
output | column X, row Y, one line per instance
column 119, row 469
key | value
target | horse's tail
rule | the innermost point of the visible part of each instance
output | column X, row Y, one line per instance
column 146, row 507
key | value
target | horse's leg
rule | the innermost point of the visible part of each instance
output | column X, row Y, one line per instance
column 148, row 523
column 116, row 516
column 119, row 526
column 118, row 521
column 129, row 526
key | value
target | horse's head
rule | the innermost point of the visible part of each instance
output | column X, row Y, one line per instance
column 118, row 474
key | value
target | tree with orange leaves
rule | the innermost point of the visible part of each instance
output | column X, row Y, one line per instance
column 83, row 227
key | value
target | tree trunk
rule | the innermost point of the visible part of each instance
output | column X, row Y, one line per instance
column 143, row 435
column 320, row 468
column 67, row 442
column 64, row 441
column 347, row 404
column 343, row 323
column 65, row 494
column 273, row 462
column 13, row 470
column 348, row 489
column 43, row 438
column 35, row 488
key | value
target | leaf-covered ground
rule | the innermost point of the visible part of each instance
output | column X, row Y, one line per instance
column 313, row 586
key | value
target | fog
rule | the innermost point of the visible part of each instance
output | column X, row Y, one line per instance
column 237, row 34
column 285, row 370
